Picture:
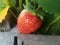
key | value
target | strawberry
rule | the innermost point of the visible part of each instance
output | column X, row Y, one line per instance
column 28, row 22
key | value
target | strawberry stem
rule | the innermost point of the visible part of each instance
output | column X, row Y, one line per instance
column 37, row 8
column 53, row 22
column 20, row 4
column 13, row 14
column 26, row 2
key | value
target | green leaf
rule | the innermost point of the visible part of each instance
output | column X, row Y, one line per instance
column 50, row 24
column 2, row 5
column 12, row 3
column 6, row 2
column 51, row 6
column 3, row 13
column 55, row 28
column 55, row 20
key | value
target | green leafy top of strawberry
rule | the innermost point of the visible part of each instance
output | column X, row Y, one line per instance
column 33, row 10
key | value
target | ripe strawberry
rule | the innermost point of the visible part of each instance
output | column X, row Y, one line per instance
column 28, row 22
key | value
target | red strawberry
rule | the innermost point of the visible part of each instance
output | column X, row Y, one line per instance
column 28, row 22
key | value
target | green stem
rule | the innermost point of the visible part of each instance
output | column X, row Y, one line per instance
column 13, row 14
column 26, row 2
column 20, row 4
column 37, row 8
column 53, row 22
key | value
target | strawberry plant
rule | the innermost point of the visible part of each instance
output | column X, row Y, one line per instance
column 50, row 10
column 47, row 10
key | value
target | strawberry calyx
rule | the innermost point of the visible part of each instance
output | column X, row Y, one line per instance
column 34, row 13
column 31, row 9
